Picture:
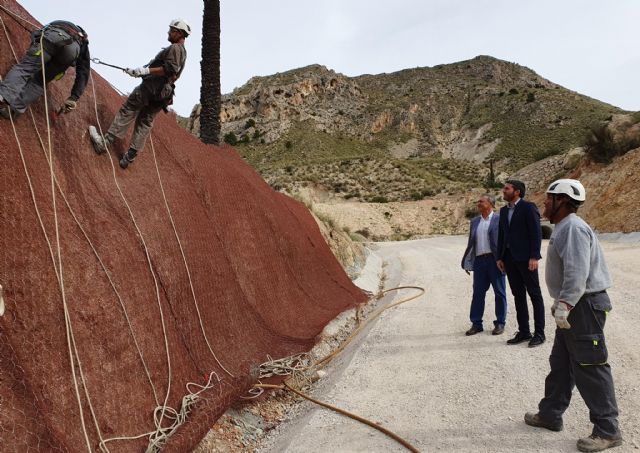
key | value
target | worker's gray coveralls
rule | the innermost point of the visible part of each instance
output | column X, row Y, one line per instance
column 64, row 45
column 155, row 93
column 577, row 273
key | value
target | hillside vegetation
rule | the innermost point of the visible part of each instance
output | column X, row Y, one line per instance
column 407, row 135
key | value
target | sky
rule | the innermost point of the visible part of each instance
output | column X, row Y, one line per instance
column 588, row 46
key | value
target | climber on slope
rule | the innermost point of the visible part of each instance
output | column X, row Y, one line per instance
column 155, row 93
column 64, row 44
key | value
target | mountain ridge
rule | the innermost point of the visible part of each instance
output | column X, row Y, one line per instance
column 440, row 128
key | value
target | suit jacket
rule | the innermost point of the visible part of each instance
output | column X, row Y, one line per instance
column 523, row 235
column 470, row 252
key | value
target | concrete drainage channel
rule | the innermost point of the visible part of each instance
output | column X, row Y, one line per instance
column 253, row 424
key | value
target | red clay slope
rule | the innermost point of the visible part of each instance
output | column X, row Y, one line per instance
column 264, row 279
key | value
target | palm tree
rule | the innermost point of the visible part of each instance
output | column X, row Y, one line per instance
column 210, row 95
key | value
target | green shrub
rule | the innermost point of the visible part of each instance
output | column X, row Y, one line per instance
column 288, row 144
column 231, row 138
column 250, row 123
column 513, row 91
column 379, row 199
column 601, row 146
column 531, row 97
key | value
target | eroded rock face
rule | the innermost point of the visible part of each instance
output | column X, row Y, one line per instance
column 310, row 93
column 263, row 281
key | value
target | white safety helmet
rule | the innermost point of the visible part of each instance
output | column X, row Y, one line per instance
column 569, row 187
column 181, row 25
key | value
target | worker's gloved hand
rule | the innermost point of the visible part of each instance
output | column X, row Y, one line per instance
column 561, row 313
column 553, row 307
column 138, row 72
column 69, row 104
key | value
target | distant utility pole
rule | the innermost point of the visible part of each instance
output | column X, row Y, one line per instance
column 210, row 95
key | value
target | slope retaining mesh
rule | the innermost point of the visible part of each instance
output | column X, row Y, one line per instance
column 265, row 281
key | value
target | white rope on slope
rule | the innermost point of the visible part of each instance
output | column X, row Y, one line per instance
column 158, row 437
column 294, row 366
column 69, row 328
column 16, row 16
column 148, row 258
column 95, row 252
column 58, row 268
column 184, row 259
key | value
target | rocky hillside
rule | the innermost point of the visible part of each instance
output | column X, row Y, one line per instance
column 407, row 135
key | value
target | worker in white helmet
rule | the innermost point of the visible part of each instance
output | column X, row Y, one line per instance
column 577, row 278
column 155, row 93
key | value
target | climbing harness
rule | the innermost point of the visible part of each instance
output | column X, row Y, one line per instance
column 98, row 61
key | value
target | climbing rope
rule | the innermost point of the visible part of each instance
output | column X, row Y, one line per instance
column 184, row 259
column 164, row 405
column 19, row 19
column 324, row 361
column 375, row 425
column 69, row 328
column 158, row 437
column 296, row 365
column 56, row 265
column 86, row 236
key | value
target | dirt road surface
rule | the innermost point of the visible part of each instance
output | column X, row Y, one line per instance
column 416, row 373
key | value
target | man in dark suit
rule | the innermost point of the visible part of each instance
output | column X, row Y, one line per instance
column 480, row 257
column 519, row 240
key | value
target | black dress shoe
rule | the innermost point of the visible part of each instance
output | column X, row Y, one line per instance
column 474, row 330
column 536, row 340
column 519, row 338
column 498, row 330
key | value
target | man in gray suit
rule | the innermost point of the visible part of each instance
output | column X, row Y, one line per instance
column 480, row 257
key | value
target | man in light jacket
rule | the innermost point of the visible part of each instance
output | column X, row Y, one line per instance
column 480, row 257
column 577, row 278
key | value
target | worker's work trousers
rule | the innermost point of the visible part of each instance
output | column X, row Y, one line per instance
column 139, row 109
column 23, row 83
column 579, row 357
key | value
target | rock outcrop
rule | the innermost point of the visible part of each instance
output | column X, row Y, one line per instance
column 266, row 110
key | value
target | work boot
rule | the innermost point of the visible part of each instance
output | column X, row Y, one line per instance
column 128, row 158
column 99, row 144
column 596, row 443
column 532, row 419
column 7, row 113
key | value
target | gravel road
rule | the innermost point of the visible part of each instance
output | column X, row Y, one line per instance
column 416, row 373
